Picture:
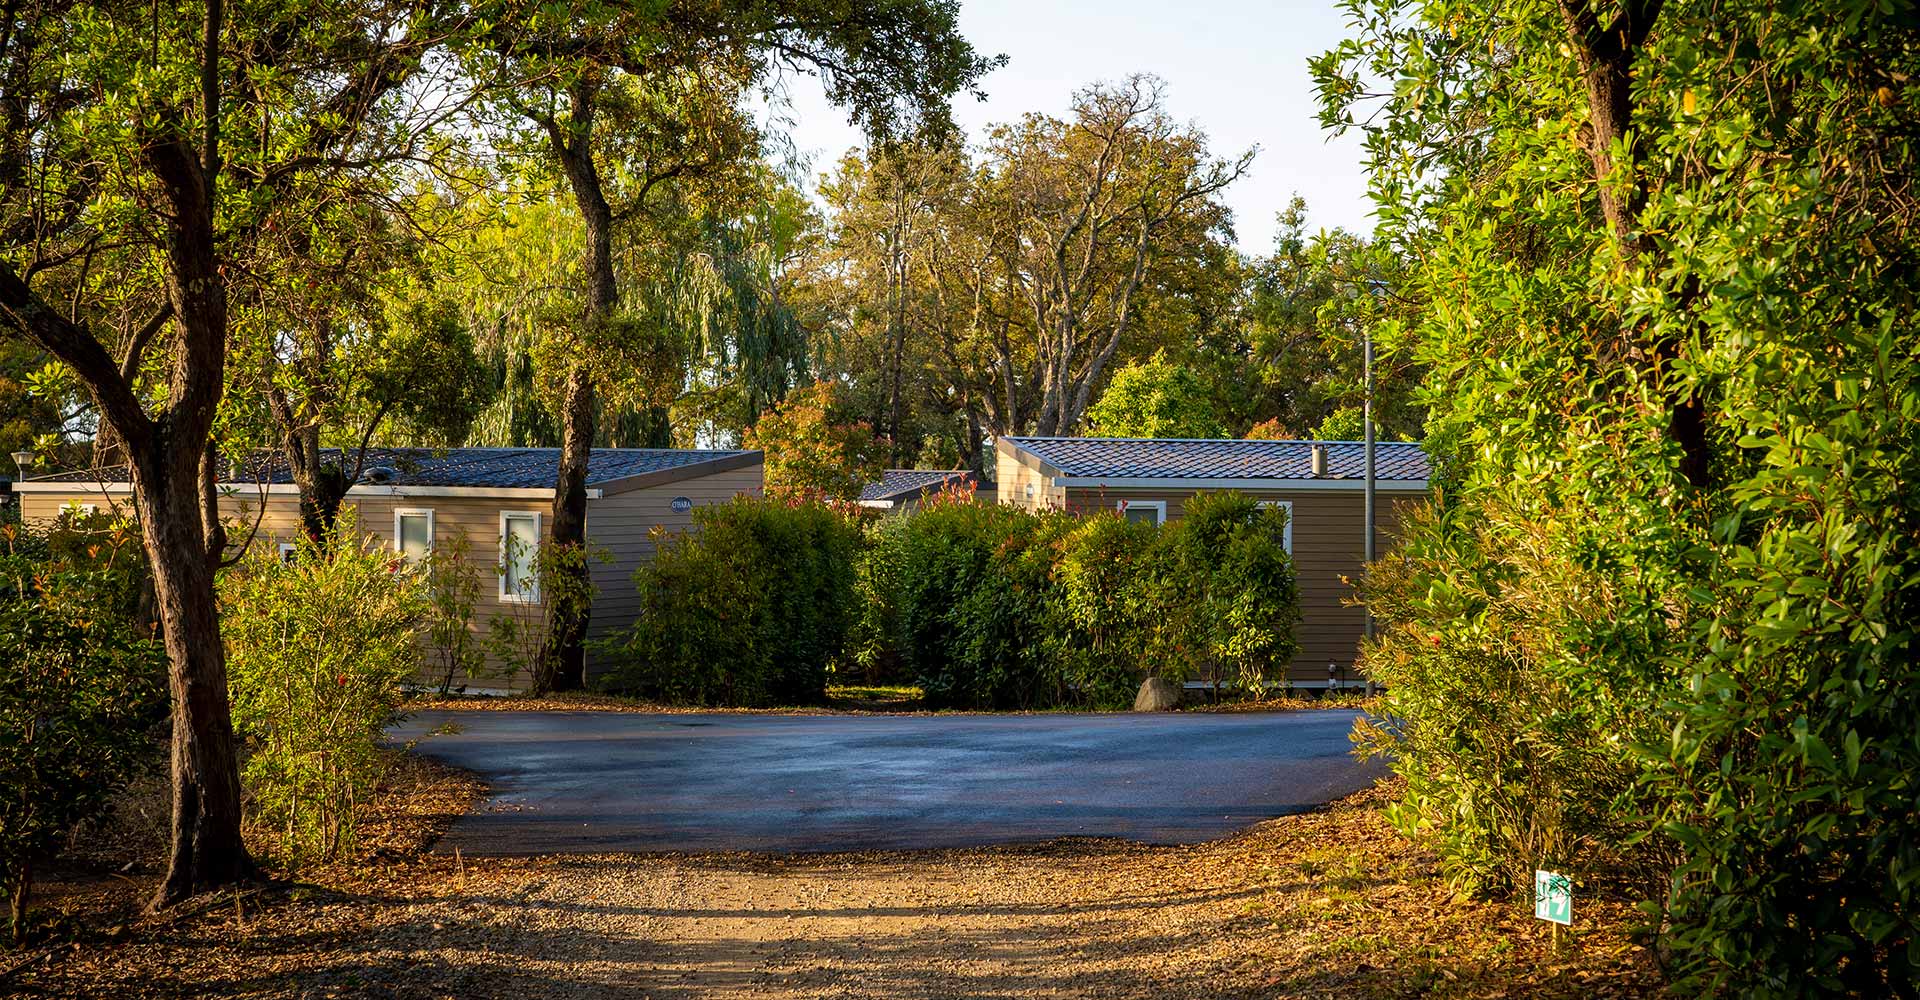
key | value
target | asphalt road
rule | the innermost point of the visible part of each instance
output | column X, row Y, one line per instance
column 593, row 782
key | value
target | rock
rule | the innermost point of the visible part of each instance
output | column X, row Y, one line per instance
column 1157, row 694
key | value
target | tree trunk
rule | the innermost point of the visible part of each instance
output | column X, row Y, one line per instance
column 563, row 658
column 206, row 847
column 22, row 878
column 1607, row 55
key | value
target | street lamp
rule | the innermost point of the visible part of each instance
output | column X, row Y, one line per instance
column 22, row 459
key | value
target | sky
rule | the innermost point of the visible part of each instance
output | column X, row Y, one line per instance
column 1235, row 68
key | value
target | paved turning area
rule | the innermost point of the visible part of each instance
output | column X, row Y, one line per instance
column 595, row 782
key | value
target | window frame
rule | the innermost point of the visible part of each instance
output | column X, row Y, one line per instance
column 1159, row 507
column 1286, row 540
column 400, row 513
column 507, row 596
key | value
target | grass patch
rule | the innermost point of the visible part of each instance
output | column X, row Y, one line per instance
column 876, row 697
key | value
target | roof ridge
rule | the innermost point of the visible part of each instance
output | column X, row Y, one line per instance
column 1175, row 440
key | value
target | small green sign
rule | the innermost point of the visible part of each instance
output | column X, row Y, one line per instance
column 1553, row 897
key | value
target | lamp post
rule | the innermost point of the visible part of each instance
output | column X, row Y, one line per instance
column 22, row 459
column 1366, row 421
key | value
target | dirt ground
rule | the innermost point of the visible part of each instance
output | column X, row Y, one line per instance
column 1332, row 904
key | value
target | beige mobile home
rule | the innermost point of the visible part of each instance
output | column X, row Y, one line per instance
column 1319, row 482
column 416, row 498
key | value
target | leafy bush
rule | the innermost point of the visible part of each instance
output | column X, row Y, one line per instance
column 319, row 652
column 960, row 616
column 1220, row 592
column 453, row 591
column 980, row 605
column 79, row 694
column 1528, row 703
column 750, row 608
column 99, row 553
column 1661, row 629
column 997, row 607
column 1105, row 607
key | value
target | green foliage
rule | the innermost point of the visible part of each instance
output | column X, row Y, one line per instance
column 99, row 554
column 24, row 413
column 425, row 369
column 79, row 696
column 749, row 608
column 814, row 448
column 1156, row 398
column 453, row 591
column 1661, row 627
column 1219, row 592
column 319, row 652
column 1104, row 608
column 993, row 606
column 1348, row 423
column 1294, row 360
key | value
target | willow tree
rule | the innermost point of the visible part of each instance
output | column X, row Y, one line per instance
column 189, row 138
column 659, row 89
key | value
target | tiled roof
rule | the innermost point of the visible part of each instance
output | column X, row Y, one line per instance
column 497, row 468
column 1169, row 458
column 898, row 484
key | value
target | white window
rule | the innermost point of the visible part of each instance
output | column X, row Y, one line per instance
column 74, row 508
column 519, row 551
column 1149, row 511
column 413, row 534
column 289, row 551
column 1286, row 538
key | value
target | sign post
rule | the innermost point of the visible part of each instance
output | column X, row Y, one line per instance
column 1553, row 900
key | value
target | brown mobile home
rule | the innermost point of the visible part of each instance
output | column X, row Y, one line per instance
column 1319, row 482
column 414, row 498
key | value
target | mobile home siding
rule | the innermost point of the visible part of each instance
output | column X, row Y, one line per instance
column 1015, row 471
column 622, row 524
column 617, row 522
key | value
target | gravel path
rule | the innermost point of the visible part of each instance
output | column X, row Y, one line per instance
column 1330, row 905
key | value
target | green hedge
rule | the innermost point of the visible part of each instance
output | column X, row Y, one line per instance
column 980, row 605
column 983, row 606
column 749, row 609
column 986, row 606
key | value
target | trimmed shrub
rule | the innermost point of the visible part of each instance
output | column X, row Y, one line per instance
column 1104, row 611
column 319, row 653
column 1219, row 593
column 749, row 609
column 79, row 696
column 982, row 606
column 996, row 607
